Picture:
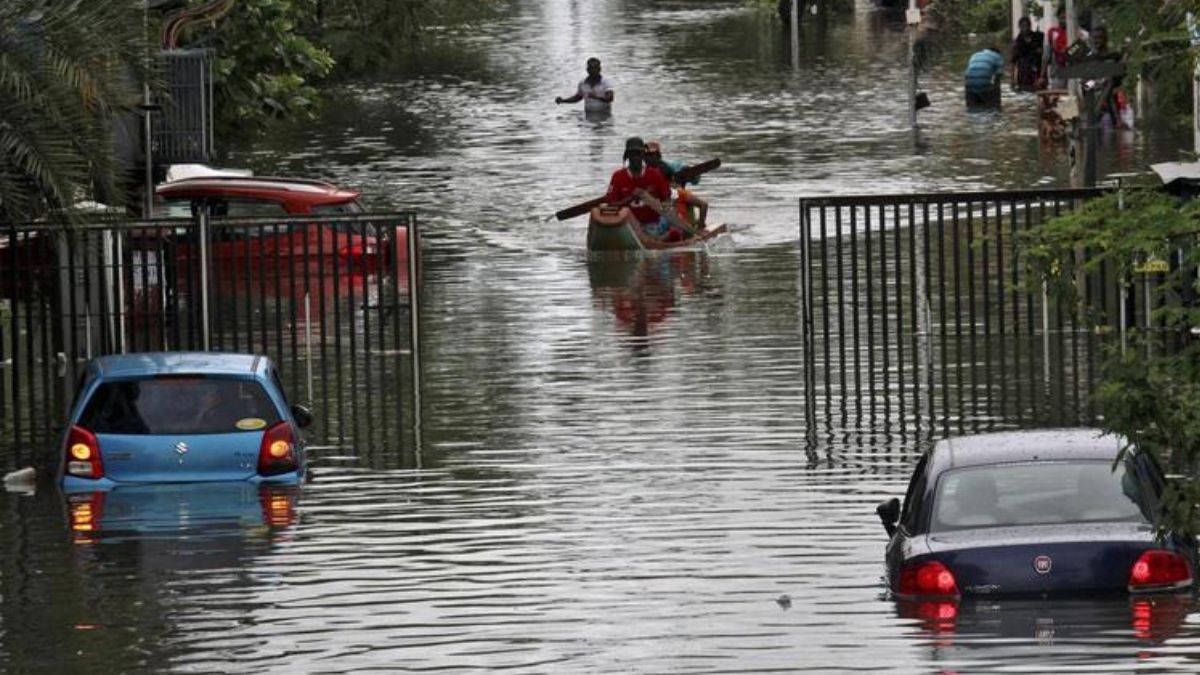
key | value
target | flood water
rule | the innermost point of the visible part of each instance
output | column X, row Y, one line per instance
column 611, row 469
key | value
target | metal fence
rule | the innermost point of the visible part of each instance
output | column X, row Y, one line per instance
column 919, row 314
column 333, row 301
column 183, row 132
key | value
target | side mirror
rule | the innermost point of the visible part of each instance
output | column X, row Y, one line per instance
column 889, row 513
column 302, row 415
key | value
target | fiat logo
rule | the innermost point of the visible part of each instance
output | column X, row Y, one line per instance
column 181, row 448
column 1042, row 564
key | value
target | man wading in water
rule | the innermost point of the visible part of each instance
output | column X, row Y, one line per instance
column 594, row 90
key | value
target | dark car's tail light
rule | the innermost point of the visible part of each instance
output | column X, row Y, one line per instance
column 929, row 578
column 277, row 454
column 82, row 454
column 1158, row 570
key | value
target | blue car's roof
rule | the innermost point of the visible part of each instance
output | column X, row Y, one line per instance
column 165, row 363
column 1024, row 446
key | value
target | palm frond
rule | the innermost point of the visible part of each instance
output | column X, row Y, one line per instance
column 65, row 67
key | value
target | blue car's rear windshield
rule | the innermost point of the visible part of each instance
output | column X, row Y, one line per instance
column 1037, row 494
column 179, row 405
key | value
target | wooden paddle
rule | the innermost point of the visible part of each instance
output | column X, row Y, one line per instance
column 683, row 175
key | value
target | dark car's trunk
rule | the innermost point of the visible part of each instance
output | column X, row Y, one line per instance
column 1042, row 558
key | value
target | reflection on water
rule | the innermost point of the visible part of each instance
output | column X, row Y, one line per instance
column 189, row 510
column 990, row 634
column 641, row 292
column 617, row 472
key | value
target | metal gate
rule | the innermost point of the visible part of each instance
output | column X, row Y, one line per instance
column 919, row 315
column 183, row 132
column 333, row 301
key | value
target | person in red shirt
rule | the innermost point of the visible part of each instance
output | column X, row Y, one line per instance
column 634, row 179
column 1057, row 37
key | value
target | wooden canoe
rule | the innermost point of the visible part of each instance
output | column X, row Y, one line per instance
column 616, row 229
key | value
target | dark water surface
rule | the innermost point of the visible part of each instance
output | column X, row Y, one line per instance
column 612, row 471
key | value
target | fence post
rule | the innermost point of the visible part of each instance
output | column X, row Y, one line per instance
column 413, row 245
column 806, row 320
column 923, row 311
column 1046, row 335
column 119, row 264
column 308, row 344
column 205, row 329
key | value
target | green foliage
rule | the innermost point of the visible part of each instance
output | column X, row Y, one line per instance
column 1149, row 392
column 1155, row 404
column 972, row 16
column 273, row 53
column 66, row 68
column 1118, row 230
column 367, row 35
column 266, row 67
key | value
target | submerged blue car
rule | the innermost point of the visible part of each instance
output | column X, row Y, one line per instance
column 176, row 417
column 1032, row 513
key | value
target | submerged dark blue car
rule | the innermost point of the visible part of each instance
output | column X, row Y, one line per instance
column 1032, row 513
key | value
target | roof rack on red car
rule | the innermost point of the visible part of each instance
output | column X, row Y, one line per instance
column 252, row 179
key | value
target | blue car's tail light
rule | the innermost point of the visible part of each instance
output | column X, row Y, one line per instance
column 83, row 454
column 278, row 508
column 86, row 512
column 927, row 579
column 1158, row 570
column 277, row 454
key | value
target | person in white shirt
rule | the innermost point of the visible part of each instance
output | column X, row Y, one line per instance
column 594, row 90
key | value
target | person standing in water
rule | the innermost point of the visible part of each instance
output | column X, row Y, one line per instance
column 982, row 78
column 1026, row 57
column 595, row 90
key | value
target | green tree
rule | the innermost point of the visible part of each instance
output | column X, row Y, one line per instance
column 367, row 35
column 66, row 69
column 1149, row 392
column 267, row 67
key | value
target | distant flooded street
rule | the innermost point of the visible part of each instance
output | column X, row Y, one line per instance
column 613, row 466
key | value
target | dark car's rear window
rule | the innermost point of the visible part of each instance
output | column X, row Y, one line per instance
column 1038, row 493
column 179, row 405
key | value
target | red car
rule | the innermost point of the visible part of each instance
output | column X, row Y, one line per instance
column 239, row 196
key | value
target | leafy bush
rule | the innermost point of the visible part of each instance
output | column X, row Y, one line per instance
column 1149, row 392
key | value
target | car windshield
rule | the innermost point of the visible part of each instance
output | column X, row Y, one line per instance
column 179, row 405
column 1037, row 493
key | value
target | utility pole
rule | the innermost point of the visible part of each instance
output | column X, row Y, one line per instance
column 1072, row 23
column 1049, row 20
column 147, row 125
column 1083, row 150
column 796, row 34
column 1018, row 11
column 1194, row 35
column 913, row 17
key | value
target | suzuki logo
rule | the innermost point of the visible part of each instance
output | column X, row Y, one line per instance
column 181, row 448
column 1042, row 564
